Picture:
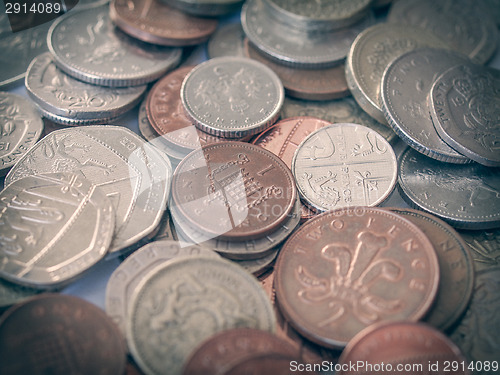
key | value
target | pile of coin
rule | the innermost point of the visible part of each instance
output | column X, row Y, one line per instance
column 268, row 250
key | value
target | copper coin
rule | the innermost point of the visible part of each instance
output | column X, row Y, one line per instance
column 283, row 138
column 269, row 364
column 59, row 334
column 153, row 21
column 404, row 348
column 227, row 348
column 346, row 269
column 456, row 268
column 309, row 84
column 233, row 190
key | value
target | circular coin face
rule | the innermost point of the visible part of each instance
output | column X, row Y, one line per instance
column 344, row 165
column 347, row 269
column 233, row 190
column 232, row 96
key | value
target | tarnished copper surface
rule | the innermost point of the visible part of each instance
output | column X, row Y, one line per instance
column 309, row 84
column 155, row 22
column 268, row 364
column 404, row 348
column 346, row 269
column 223, row 350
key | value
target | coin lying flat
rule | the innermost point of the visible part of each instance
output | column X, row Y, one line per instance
column 232, row 97
column 103, row 55
column 484, row 246
column 349, row 268
column 344, row 165
column 180, row 304
column 131, row 172
column 62, row 95
column 55, row 227
column 226, row 41
column 466, row 196
column 20, row 128
column 465, row 109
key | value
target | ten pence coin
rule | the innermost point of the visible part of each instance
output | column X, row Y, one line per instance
column 349, row 268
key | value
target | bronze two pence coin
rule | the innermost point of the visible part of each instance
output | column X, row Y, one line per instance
column 59, row 334
column 347, row 269
column 233, row 190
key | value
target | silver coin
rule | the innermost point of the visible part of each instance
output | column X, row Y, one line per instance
column 227, row 41
column 344, row 110
column 238, row 250
column 258, row 266
column 484, row 246
column 370, row 54
column 466, row 196
column 318, row 15
column 62, row 95
column 55, row 227
column 124, row 280
column 20, row 128
column 406, row 84
column 131, row 172
column 61, row 120
column 465, row 109
column 462, row 24
column 344, row 165
column 87, row 46
column 206, row 8
column 164, row 230
column 185, row 301
column 232, row 97
column 296, row 47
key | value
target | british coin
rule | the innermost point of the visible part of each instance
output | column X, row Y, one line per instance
column 155, row 22
column 345, row 110
column 226, row 41
column 62, row 95
column 370, row 54
column 180, row 304
column 309, row 84
column 477, row 334
column 350, row 268
column 456, row 268
column 11, row 293
column 240, row 250
column 20, row 128
column 206, row 8
column 466, row 196
column 407, row 347
column 59, row 334
column 131, row 172
column 318, row 15
column 50, row 126
column 257, row 267
column 484, row 246
column 344, row 165
column 464, row 103
column 233, row 190
column 56, row 226
column 232, row 97
column 269, row 363
column 292, row 46
column 164, row 230
column 124, row 279
column 462, row 24
column 238, row 344
column 103, row 55
column 406, row 83
column 69, row 122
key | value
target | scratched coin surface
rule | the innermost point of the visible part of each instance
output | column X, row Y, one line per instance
column 344, row 165
column 20, row 128
column 86, row 45
column 62, row 95
column 127, row 276
column 456, row 268
column 406, row 83
column 59, row 334
column 130, row 171
column 55, row 227
column 233, row 190
column 232, row 97
column 466, row 196
column 410, row 348
column 180, row 304
column 465, row 109
column 155, row 22
column 349, row 268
